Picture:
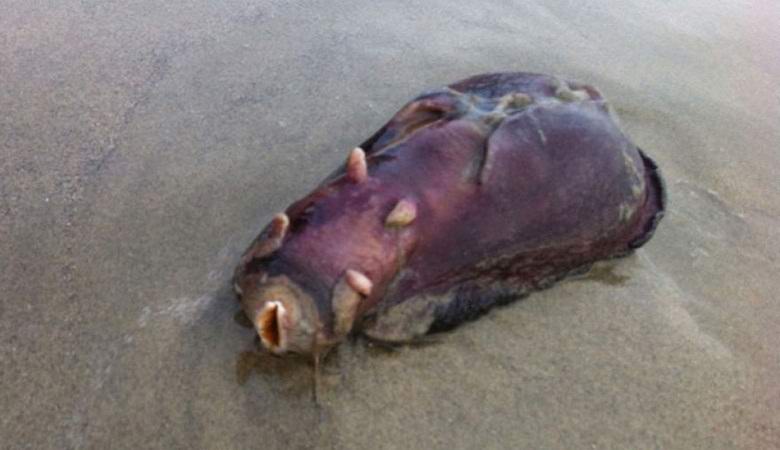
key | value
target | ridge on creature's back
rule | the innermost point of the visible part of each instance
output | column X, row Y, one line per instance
column 470, row 196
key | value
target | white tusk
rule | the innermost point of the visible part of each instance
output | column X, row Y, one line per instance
column 359, row 282
column 402, row 214
column 357, row 169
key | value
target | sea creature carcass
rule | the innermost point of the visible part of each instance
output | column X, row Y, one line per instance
column 470, row 196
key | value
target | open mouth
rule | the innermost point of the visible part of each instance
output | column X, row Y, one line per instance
column 269, row 326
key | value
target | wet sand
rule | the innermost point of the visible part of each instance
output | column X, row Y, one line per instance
column 144, row 144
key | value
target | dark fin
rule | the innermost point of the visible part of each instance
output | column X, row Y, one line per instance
column 473, row 300
column 469, row 303
column 425, row 110
column 655, row 204
column 368, row 144
column 421, row 112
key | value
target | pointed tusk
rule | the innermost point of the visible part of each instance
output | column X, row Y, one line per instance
column 359, row 282
column 272, row 240
column 357, row 169
column 279, row 226
column 346, row 299
column 404, row 212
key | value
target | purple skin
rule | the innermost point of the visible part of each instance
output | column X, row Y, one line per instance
column 471, row 196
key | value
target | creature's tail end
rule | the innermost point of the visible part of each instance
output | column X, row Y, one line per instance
column 655, row 204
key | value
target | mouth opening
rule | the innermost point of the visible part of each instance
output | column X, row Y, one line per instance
column 269, row 326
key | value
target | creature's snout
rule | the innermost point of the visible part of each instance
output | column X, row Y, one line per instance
column 287, row 318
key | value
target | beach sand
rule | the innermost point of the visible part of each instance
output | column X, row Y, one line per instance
column 144, row 144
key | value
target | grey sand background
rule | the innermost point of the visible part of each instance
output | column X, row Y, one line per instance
column 143, row 144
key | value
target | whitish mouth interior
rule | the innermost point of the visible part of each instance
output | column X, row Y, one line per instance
column 268, row 325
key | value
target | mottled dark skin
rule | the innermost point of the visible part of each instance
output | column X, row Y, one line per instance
column 515, row 181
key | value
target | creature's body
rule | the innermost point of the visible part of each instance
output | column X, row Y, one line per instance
column 469, row 196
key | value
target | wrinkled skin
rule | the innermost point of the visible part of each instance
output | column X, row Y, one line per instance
column 470, row 196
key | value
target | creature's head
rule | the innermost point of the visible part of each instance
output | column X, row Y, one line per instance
column 290, row 317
